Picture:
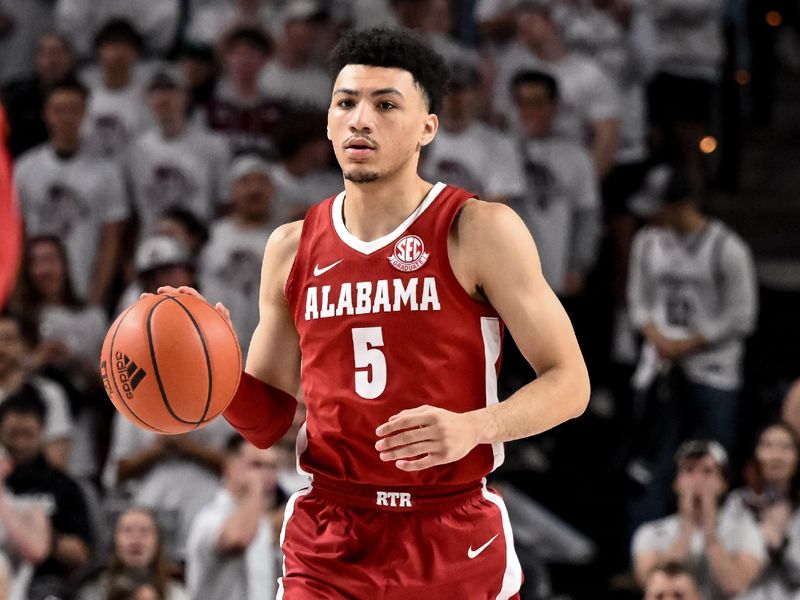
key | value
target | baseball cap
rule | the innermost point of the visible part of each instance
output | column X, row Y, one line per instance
column 160, row 251
column 167, row 77
column 691, row 449
column 246, row 164
column 303, row 10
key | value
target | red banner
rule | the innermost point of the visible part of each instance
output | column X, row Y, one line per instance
column 10, row 221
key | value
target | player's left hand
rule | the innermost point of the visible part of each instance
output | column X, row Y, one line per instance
column 435, row 435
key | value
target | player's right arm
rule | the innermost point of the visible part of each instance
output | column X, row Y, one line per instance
column 264, row 405
column 274, row 354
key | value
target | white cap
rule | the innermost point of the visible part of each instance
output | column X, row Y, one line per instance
column 160, row 251
column 246, row 164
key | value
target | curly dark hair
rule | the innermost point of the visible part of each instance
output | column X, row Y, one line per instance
column 405, row 50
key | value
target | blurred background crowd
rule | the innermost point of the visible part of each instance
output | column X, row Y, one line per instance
column 649, row 145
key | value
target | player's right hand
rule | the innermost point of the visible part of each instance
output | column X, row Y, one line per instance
column 190, row 291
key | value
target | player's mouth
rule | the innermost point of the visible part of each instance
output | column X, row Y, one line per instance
column 357, row 148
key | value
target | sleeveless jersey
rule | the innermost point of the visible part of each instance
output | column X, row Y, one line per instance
column 385, row 326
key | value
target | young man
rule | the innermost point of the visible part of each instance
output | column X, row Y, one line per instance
column 232, row 550
column 671, row 581
column 65, row 190
column 722, row 547
column 175, row 164
column 392, row 295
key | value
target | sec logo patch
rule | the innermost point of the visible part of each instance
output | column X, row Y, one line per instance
column 409, row 254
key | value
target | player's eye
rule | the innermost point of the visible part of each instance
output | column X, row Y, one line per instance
column 385, row 105
column 345, row 103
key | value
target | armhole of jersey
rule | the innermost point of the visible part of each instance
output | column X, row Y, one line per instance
column 447, row 267
column 299, row 256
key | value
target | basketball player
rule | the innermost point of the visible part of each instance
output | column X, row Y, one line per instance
column 395, row 294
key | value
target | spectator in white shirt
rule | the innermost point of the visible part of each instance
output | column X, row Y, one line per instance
column 469, row 153
column 117, row 111
column 590, row 108
column 175, row 164
column 232, row 549
column 722, row 547
column 65, row 190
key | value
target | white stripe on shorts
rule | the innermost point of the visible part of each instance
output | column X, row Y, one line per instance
column 512, row 578
column 287, row 514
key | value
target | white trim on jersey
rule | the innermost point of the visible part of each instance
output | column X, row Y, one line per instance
column 287, row 514
column 512, row 577
column 375, row 245
column 490, row 329
column 301, row 444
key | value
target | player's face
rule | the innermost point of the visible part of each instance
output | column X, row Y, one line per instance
column 53, row 58
column 378, row 122
column 776, row 454
column 663, row 587
column 63, row 113
column 536, row 109
column 47, row 269
column 136, row 539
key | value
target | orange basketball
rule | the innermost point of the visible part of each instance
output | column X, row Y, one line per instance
column 170, row 363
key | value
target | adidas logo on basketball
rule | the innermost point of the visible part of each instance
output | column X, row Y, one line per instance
column 129, row 374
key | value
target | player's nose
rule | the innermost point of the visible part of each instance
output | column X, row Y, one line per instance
column 361, row 118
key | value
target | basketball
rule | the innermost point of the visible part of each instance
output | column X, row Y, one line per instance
column 170, row 363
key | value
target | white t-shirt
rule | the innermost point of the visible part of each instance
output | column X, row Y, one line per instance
column 115, row 117
column 586, row 95
column 701, row 284
column 308, row 86
column 175, row 486
column 230, row 272
column 189, row 172
column 72, row 198
column 58, row 422
column 736, row 529
column 627, row 56
column 247, row 576
column 560, row 206
column 781, row 578
column 81, row 329
column 479, row 159
column 294, row 194
column 21, row 569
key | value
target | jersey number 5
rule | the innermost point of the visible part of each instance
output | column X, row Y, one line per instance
column 370, row 362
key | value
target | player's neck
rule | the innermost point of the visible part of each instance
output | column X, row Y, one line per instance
column 372, row 210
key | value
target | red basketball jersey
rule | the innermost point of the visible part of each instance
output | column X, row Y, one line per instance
column 385, row 326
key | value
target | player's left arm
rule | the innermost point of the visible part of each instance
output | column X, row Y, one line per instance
column 495, row 256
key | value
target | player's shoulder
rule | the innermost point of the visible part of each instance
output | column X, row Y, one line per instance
column 481, row 218
column 285, row 239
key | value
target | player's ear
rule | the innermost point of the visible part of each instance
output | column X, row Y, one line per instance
column 429, row 129
column 328, row 132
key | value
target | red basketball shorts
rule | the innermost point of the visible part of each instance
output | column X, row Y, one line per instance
column 359, row 542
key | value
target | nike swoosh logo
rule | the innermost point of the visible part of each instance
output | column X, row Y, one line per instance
column 473, row 553
column 318, row 271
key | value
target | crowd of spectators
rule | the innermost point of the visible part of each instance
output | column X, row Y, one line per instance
column 160, row 142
